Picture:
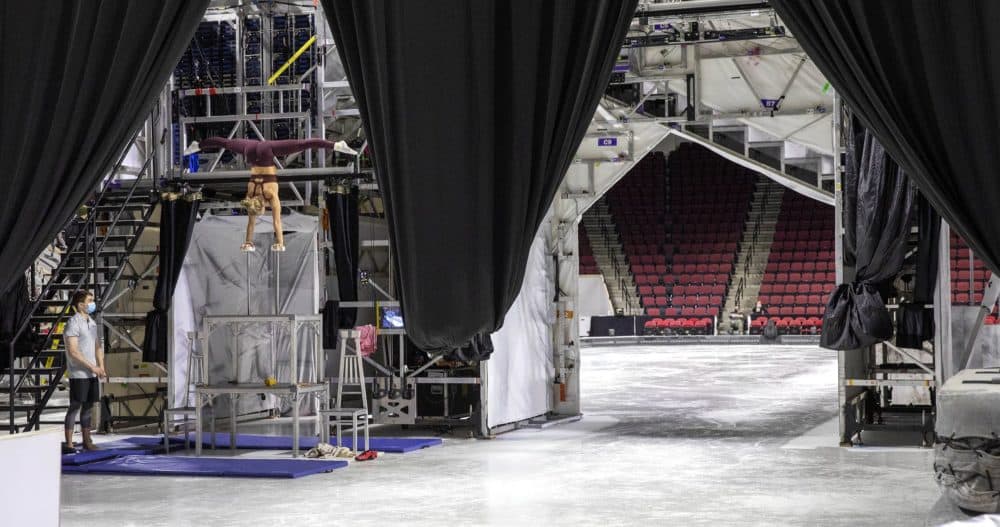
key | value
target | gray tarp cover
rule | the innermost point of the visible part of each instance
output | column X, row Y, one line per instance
column 213, row 282
column 967, row 454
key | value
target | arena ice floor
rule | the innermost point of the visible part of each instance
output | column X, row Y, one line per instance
column 685, row 435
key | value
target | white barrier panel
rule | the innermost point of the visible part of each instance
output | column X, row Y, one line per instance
column 594, row 298
column 520, row 372
column 29, row 490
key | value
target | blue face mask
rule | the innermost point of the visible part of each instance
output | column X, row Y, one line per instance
column 91, row 307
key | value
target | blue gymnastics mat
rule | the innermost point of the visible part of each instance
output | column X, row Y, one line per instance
column 84, row 457
column 207, row 466
column 138, row 446
column 391, row 445
column 144, row 441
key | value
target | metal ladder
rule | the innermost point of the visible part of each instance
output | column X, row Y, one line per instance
column 99, row 245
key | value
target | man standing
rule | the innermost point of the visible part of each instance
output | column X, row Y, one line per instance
column 736, row 322
column 85, row 365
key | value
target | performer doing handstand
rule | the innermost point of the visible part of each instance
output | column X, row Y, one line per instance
column 263, row 188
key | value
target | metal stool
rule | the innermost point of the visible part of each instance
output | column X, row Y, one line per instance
column 351, row 375
column 358, row 418
column 196, row 364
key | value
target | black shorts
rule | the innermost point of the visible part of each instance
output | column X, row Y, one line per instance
column 84, row 391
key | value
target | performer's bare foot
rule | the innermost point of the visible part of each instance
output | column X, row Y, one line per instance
column 248, row 247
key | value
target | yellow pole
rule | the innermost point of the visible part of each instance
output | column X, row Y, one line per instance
column 297, row 54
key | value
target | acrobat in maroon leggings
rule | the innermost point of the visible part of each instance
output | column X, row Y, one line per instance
column 262, row 191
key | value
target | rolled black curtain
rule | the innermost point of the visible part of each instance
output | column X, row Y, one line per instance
column 914, row 322
column 884, row 199
column 474, row 110
column 929, row 229
column 69, row 104
column 342, row 206
column 923, row 77
column 178, row 214
column 849, row 211
column 479, row 348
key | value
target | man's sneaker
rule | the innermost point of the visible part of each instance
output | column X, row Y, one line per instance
column 68, row 449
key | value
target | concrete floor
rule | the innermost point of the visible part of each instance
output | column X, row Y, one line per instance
column 692, row 436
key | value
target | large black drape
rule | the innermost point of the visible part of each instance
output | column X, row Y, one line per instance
column 883, row 200
column 474, row 110
column 70, row 99
column 342, row 206
column 178, row 214
column 914, row 322
column 854, row 149
column 925, row 77
column 929, row 229
column 15, row 307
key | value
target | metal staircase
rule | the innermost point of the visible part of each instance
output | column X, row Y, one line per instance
column 100, row 239
column 611, row 259
column 755, row 246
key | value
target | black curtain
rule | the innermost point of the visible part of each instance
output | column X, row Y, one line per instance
column 914, row 322
column 474, row 110
column 929, row 230
column 178, row 214
column 924, row 76
column 342, row 207
column 849, row 212
column 70, row 100
column 15, row 307
column 883, row 202
column 479, row 348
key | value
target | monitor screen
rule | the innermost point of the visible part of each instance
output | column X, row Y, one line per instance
column 390, row 317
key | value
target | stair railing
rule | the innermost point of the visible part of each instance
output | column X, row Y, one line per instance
column 752, row 250
column 87, row 232
column 739, row 293
column 621, row 279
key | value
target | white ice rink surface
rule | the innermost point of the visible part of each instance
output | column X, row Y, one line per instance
column 675, row 435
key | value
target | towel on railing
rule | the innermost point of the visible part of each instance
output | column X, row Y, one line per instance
column 366, row 339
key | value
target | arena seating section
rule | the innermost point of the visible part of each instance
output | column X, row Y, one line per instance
column 682, row 239
column 681, row 221
column 588, row 265
column 962, row 271
column 800, row 272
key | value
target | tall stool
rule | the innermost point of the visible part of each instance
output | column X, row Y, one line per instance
column 197, row 373
column 350, row 381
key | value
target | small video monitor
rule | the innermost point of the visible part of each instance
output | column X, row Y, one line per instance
column 390, row 317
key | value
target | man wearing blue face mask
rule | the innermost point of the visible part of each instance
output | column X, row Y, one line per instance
column 85, row 366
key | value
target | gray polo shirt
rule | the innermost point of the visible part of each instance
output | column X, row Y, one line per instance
column 88, row 338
